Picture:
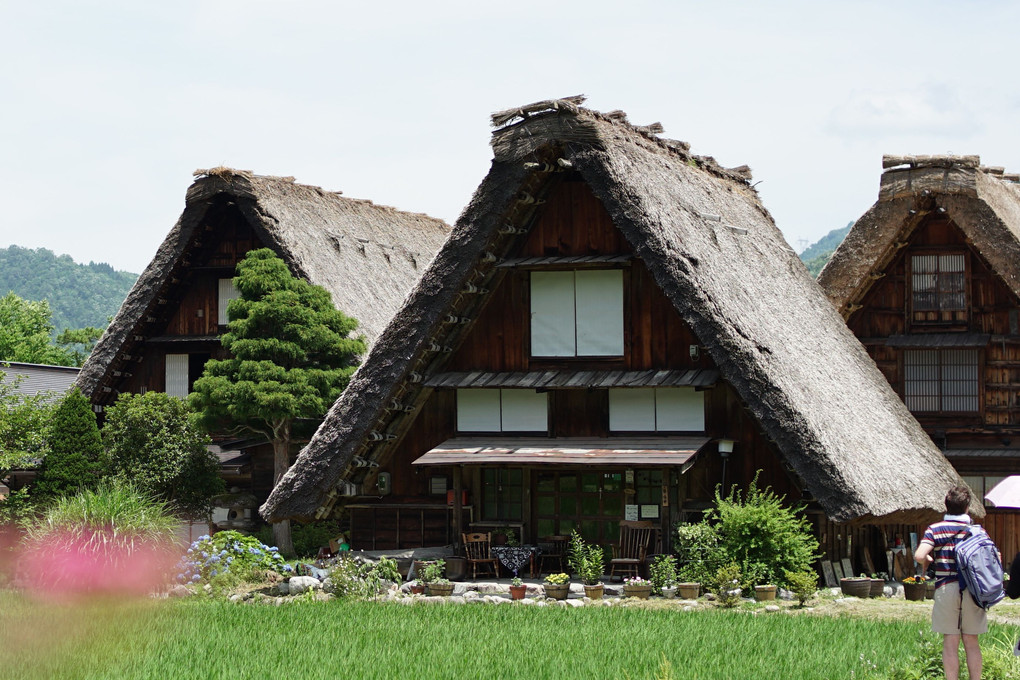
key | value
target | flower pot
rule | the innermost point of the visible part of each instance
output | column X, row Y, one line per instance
column 877, row 587
column 499, row 539
column 417, row 589
column 640, row 592
column 929, row 590
column 689, row 591
column 517, row 592
column 914, row 591
column 766, row 592
column 669, row 592
column 456, row 568
column 440, row 589
column 855, row 587
column 556, row 591
column 593, row 592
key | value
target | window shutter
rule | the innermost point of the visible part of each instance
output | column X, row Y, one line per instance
column 524, row 411
column 632, row 410
column 478, row 410
column 679, row 409
column 552, row 314
column 177, row 375
column 227, row 293
column 599, row 295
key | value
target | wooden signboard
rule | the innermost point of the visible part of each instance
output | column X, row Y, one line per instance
column 848, row 569
column 838, row 569
column 829, row 574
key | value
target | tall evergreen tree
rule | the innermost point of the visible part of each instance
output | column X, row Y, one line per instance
column 74, row 458
column 291, row 359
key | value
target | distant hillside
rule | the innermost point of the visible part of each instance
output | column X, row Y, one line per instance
column 817, row 254
column 79, row 294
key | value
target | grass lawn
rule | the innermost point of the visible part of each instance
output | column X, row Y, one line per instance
column 215, row 639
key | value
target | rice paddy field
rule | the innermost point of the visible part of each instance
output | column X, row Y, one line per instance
column 204, row 638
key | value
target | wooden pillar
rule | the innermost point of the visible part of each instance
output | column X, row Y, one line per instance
column 458, row 510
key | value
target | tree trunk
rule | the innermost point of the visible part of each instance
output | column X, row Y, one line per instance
column 281, row 463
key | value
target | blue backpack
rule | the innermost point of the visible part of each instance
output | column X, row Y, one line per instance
column 978, row 566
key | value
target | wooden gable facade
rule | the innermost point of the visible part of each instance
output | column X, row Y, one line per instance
column 939, row 317
column 171, row 322
column 614, row 328
column 555, row 491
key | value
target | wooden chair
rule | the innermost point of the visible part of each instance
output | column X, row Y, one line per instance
column 630, row 554
column 476, row 548
column 556, row 554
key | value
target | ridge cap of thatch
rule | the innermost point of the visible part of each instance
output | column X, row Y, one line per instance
column 521, row 117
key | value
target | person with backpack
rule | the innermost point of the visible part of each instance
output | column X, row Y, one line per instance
column 954, row 614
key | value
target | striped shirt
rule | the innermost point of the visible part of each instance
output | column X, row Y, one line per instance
column 942, row 535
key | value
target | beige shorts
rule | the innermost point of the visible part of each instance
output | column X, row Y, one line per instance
column 945, row 614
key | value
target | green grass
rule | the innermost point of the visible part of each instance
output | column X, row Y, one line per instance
column 213, row 639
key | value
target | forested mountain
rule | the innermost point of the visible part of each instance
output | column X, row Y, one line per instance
column 817, row 254
column 80, row 295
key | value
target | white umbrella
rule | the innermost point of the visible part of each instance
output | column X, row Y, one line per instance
column 1005, row 494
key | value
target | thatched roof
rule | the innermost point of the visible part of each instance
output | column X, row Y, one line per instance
column 984, row 202
column 367, row 256
column 716, row 253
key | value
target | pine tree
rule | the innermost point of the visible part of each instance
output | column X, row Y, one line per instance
column 74, row 458
column 292, row 358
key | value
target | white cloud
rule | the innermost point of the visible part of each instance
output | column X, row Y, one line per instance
column 925, row 110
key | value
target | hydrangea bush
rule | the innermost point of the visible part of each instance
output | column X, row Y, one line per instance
column 229, row 554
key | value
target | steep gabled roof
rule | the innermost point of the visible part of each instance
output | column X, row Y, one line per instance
column 983, row 202
column 367, row 256
column 715, row 252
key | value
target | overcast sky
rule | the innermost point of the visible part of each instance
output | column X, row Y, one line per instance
column 108, row 107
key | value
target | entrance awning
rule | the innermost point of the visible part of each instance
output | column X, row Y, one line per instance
column 564, row 451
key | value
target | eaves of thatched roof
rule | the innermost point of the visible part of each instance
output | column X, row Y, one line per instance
column 367, row 256
column 716, row 253
column 984, row 202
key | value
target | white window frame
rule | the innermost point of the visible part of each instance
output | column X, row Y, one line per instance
column 656, row 409
column 499, row 410
column 577, row 313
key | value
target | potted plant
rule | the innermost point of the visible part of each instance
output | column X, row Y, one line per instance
column 557, row 586
column 588, row 562
column 855, row 586
column 914, row 587
column 517, row 589
column 635, row 586
column 437, row 583
column 877, row 586
column 417, row 587
column 662, row 572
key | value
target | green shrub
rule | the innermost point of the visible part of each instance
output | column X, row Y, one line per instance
column 307, row 538
column 588, row 561
column 662, row 572
column 228, row 557
column 804, row 584
column 763, row 536
column 699, row 552
column 350, row 577
column 17, row 509
column 725, row 583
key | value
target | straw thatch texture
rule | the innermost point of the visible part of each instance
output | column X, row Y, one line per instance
column 983, row 202
column 714, row 250
column 367, row 256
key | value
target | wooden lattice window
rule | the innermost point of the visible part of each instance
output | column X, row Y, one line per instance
column 941, row 380
column 938, row 284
